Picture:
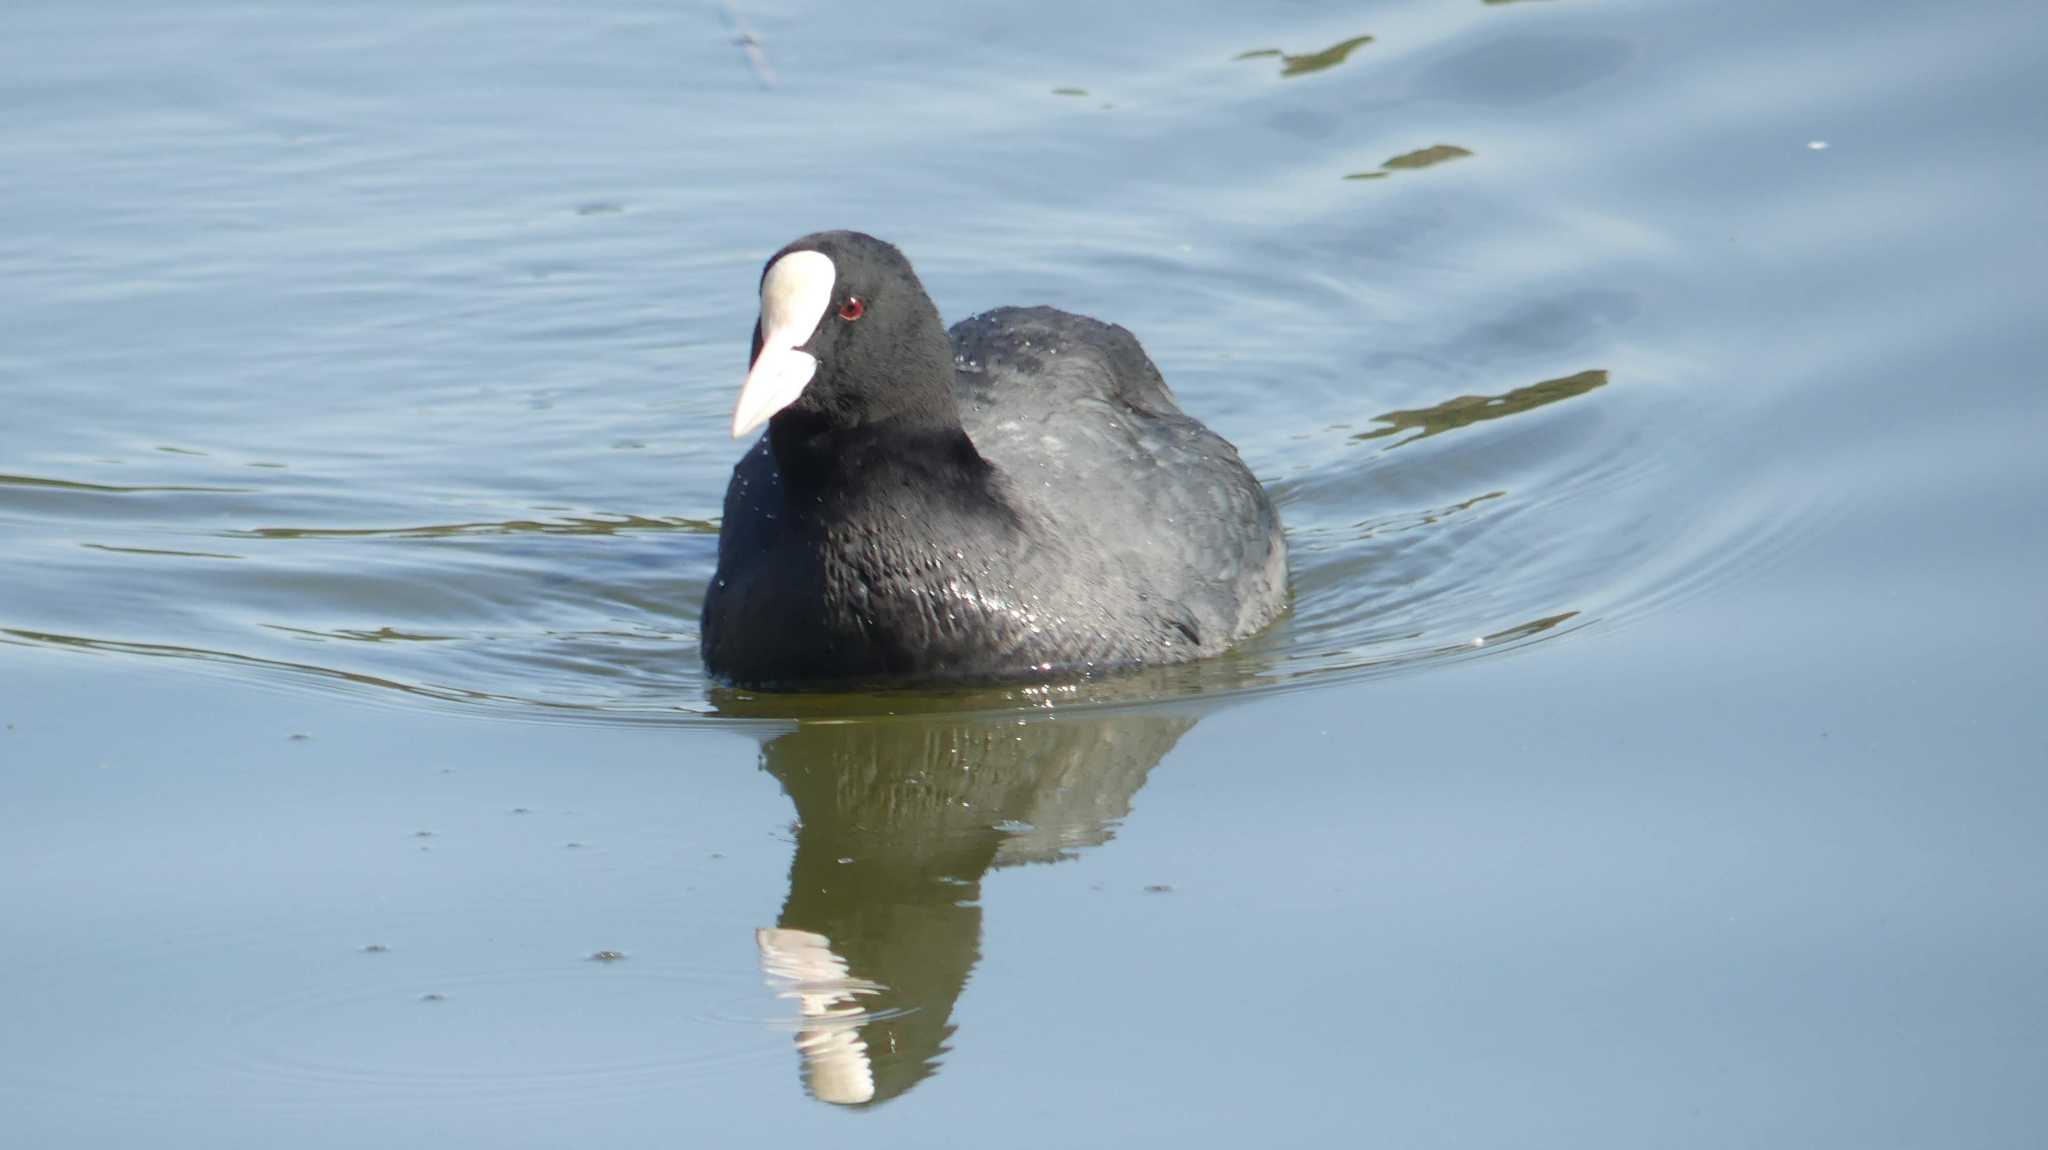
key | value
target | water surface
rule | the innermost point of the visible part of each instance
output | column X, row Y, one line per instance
column 1650, row 392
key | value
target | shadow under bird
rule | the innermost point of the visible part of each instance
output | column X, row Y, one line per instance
column 1023, row 497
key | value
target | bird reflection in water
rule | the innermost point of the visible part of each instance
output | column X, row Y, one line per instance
column 899, row 819
column 801, row 966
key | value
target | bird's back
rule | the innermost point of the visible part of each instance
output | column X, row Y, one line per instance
column 1091, row 442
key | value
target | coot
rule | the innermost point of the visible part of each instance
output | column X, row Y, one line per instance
column 1022, row 499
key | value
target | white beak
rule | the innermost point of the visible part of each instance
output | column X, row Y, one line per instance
column 794, row 295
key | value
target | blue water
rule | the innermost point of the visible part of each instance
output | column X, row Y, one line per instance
column 1650, row 391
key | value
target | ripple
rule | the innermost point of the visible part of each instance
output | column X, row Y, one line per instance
column 525, row 530
column 1435, row 547
column 489, row 1038
column 598, row 525
column 167, row 553
column 115, row 489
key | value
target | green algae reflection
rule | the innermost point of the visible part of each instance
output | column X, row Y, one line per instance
column 1469, row 409
column 1415, row 161
column 1302, row 65
column 1426, row 157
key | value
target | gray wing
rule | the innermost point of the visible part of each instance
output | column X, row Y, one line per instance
column 1090, row 439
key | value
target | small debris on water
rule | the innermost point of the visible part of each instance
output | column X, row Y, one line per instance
column 423, row 834
column 572, row 846
column 521, row 811
column 608, row 956
column 376, row 948
column 750, row 44
column 1479, row 642
column 299, row 737
column 1816, row 145
column 433, row 996
column 1159, row 888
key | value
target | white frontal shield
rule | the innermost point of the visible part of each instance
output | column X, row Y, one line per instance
column 794, row 295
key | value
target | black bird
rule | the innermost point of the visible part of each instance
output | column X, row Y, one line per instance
column 1023, row 499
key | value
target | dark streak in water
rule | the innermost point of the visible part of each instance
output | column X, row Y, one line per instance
column 203, row 655
column 1371, row 528
column 1468, row 409
column 380, row 635
column 107, row 489
column 1308, row 62
column 612, row 526
column 158, row 551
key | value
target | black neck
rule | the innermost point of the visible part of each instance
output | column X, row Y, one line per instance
column 815, row 451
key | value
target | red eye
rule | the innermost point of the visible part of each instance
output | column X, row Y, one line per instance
column 852, row 308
